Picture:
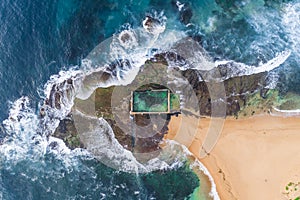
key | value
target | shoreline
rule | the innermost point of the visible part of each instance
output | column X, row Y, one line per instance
column 254, row 157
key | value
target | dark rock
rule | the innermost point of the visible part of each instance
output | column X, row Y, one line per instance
column 70, row 81
column 125, row 37
column 53, row 145
column 263, row 92
column 185, row 11
column 150, row 24
column 146, row 137
column 57, row 98
column 124, row 139
column 123, row 64
column 66, row 131
column 42, row 112
column 237, row 89
column 150, row 142
column 186, row 14
column 149, row 130
column 58, row 92
column 198, row 38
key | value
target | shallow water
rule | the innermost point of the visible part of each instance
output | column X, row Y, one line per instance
column 40, row 38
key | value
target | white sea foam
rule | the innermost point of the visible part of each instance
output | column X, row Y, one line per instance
column 210, row 25
column 179, row 5
column 213, row 191
column 272, row 64
column 59, row 147
column 80, row 82
column 285, row 113
column 99, row 139
column 83, row 83
column 128, row 39
column 16, row 114
column 112, row 49
column 86, row 81
column 234, row 69
column 23, row 124
column 25, row 142
column 291, row 22
column 155, row 23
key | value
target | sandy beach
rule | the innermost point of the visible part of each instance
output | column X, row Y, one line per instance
column 254, row 158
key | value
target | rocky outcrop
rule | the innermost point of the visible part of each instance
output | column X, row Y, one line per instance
column 68, row 133
column 144, row 139
column 141, row 136
column 237, row 91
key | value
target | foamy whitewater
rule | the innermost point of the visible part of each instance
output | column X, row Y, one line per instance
column 29, row 135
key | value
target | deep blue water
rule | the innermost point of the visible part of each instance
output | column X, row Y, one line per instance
column 39, row 38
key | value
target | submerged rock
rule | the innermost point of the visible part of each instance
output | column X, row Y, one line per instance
column 185, row 11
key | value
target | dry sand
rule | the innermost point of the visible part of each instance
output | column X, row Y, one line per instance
column 254, row 158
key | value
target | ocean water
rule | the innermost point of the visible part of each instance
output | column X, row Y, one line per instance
column 60, row 38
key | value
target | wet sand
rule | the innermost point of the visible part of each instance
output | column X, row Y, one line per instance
column 254, row 158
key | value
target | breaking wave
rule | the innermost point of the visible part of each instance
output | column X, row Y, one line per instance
column 116, row 61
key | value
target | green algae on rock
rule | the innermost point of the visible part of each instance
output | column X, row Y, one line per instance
column 241, row 94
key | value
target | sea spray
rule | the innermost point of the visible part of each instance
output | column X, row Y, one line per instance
column 285, row 113
column 30, row 120
column 291, row 22
column 61, row 90
column 240, row 69
column 22, row 141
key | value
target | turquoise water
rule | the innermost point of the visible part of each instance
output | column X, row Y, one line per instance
column 50, row 179
column 150, row 101
column 40, row 38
